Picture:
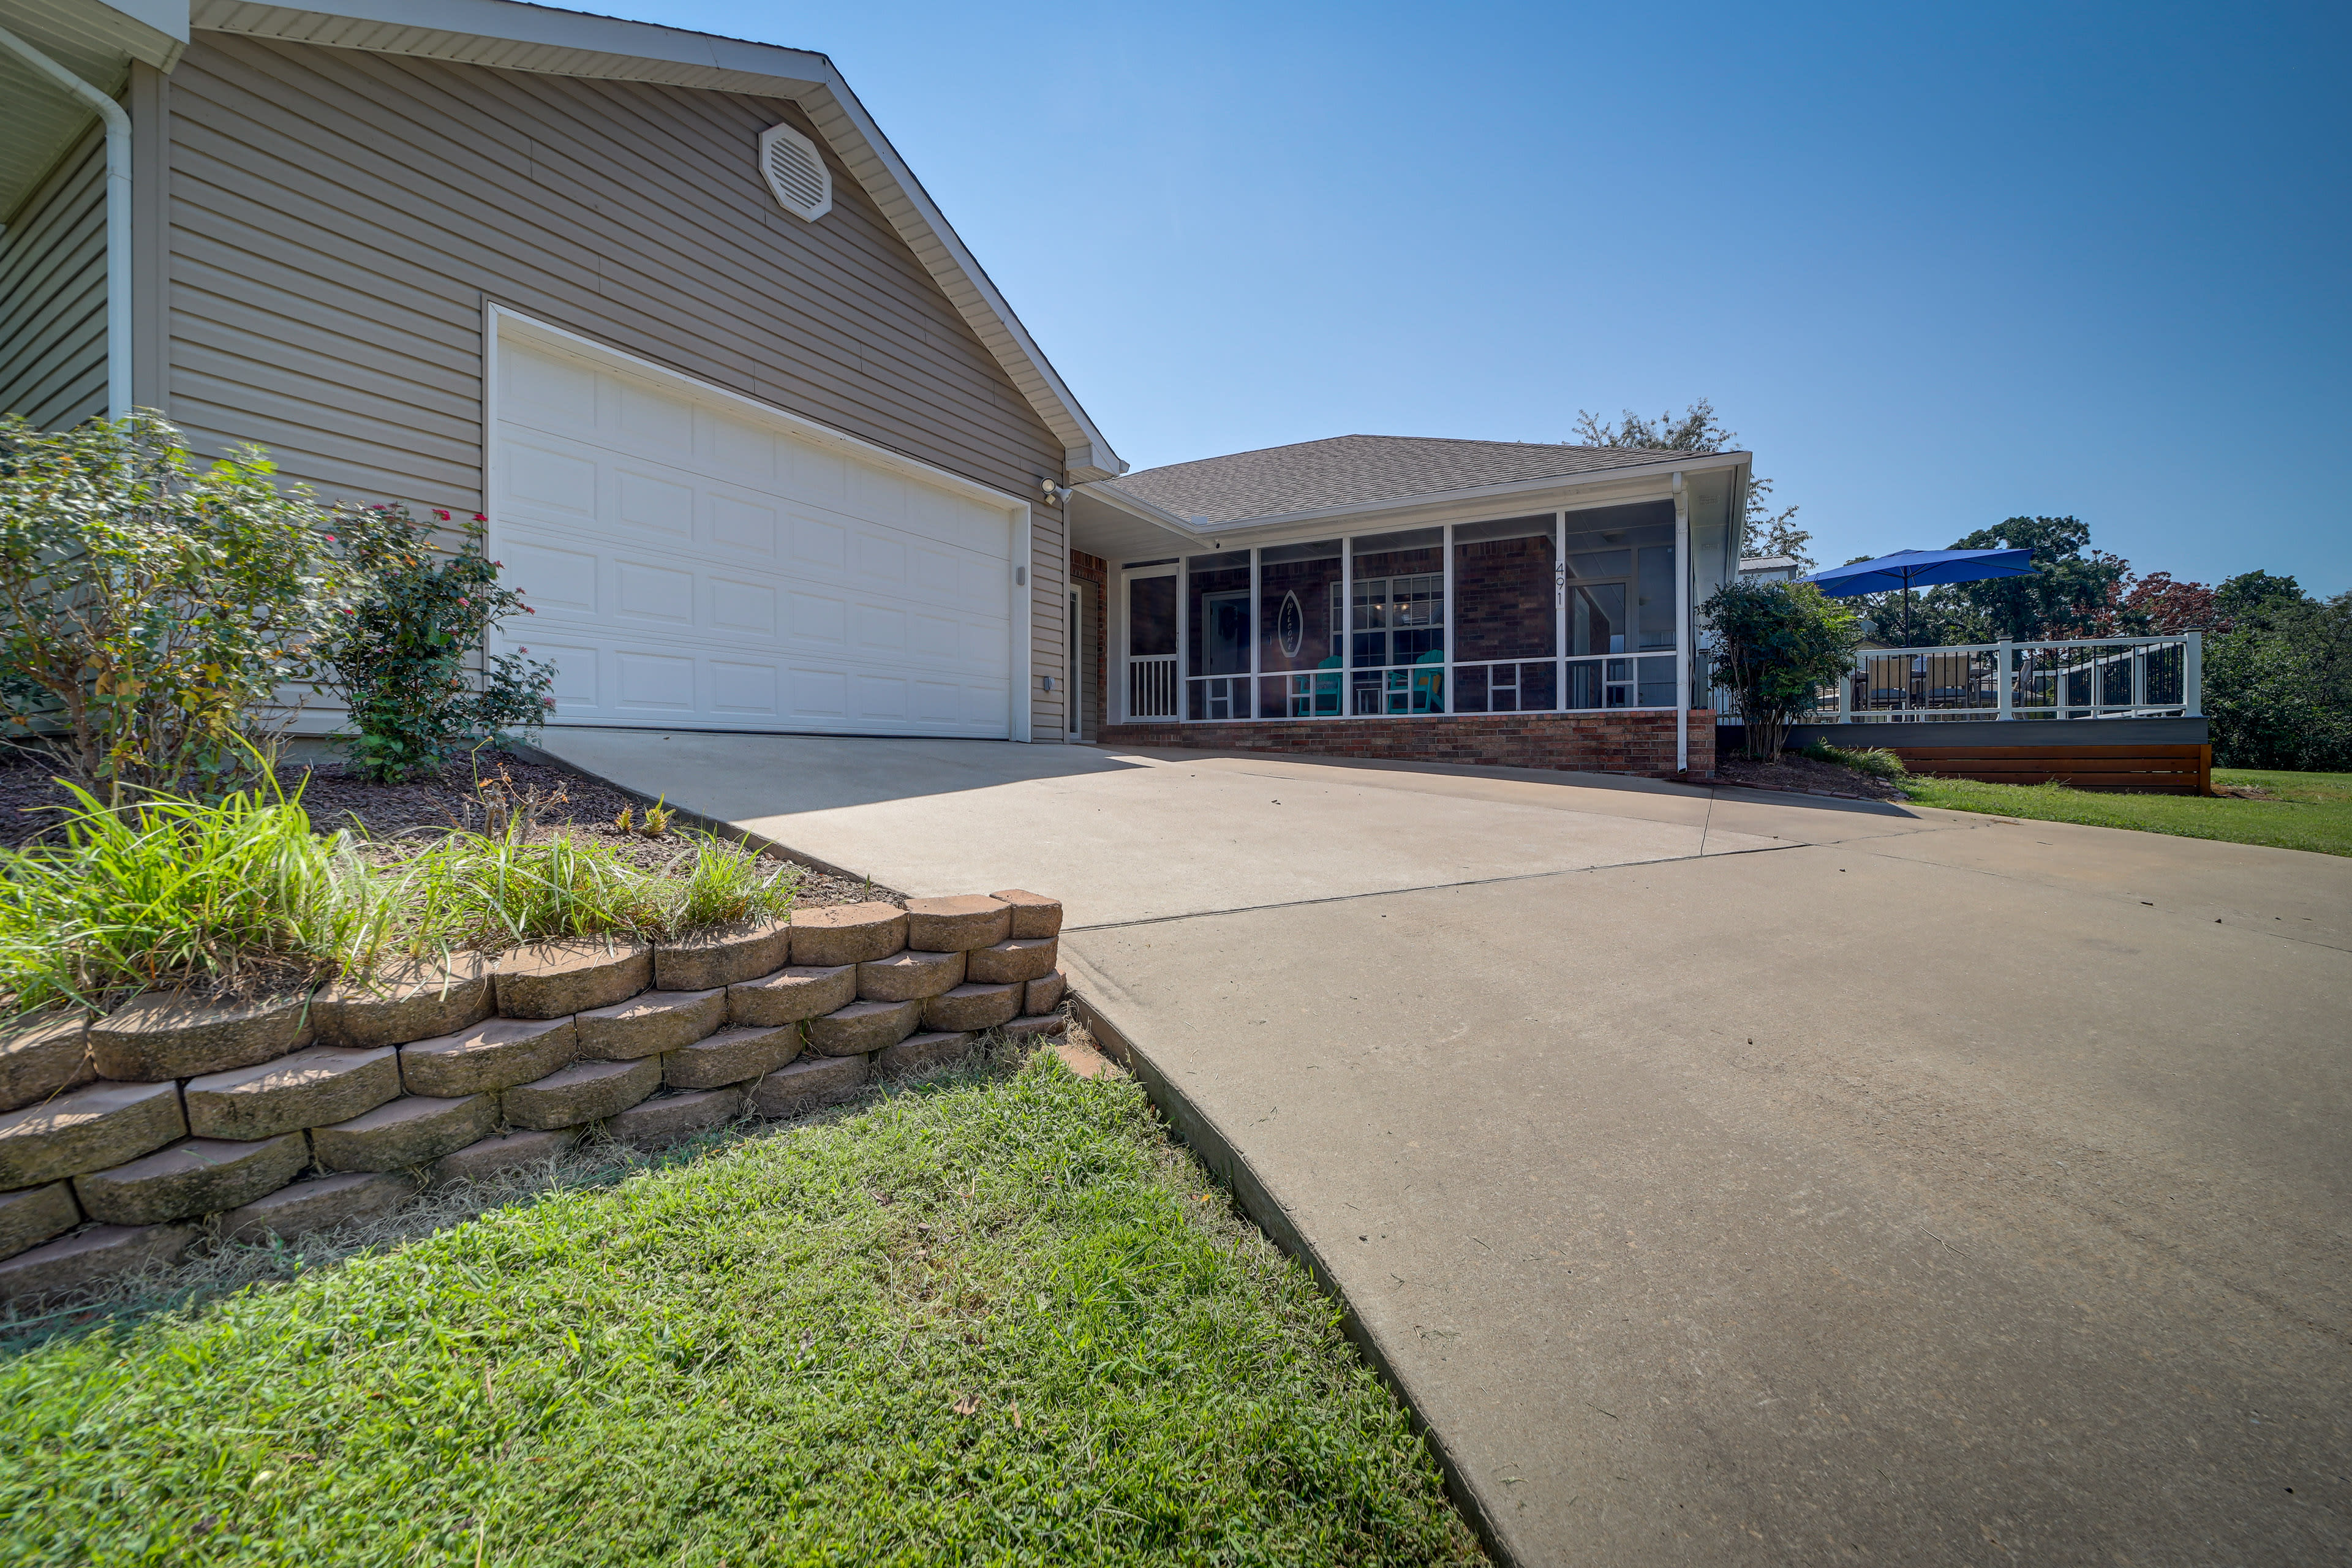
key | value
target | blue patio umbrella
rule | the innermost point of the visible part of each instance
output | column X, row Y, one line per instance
column 1906, row 569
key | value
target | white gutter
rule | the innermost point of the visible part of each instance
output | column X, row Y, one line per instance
column 118, row 217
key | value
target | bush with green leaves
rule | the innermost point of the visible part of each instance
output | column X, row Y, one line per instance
column 151, row 610
column 1775, row 645
column 403, row 657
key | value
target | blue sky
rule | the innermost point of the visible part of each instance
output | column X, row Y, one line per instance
column 1935, row 268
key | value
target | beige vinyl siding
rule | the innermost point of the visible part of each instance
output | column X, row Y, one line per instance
column 53, row 295
column 340, row 217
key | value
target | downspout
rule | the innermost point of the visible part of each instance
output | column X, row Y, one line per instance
column 1682, row 629
column 118, row 217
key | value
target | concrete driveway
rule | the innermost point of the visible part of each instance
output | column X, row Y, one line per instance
column 1727, row 1178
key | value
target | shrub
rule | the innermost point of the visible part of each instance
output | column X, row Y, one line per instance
column 152, row 612
column 400, row 658
column 1776, row 646
column 1876, row 761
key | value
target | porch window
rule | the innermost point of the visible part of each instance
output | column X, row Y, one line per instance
column 1505, row 618
column 1298, row 622
column 1397, row 622
column 1217, row 633
column 1619, row 586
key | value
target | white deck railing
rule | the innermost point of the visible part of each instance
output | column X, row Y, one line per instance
column 1151, row 686
column 2098, row 677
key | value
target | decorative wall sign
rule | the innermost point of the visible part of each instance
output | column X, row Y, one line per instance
column 1290, row 626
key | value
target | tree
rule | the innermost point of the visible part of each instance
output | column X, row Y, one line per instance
column 2253, row 594
column 2073, row 591
column 150, row 613
column 1696, row 429
column 2278, row 683
column 1776, row 646
column 2166, row 605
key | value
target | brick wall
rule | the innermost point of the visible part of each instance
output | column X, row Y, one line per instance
column 1582, row 742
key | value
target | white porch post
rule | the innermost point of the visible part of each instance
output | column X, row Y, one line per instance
column 1682, row 629
column 1448, row 698
column 1347, row 703
column 2007, row 653
column 1249, row 628
column 2193, row 677
column 1183, row 638
column 1559, row 611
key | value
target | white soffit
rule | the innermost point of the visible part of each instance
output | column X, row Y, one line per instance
column 568, row 43
column 39, row 120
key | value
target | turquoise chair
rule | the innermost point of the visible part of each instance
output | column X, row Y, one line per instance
column 1428, row 685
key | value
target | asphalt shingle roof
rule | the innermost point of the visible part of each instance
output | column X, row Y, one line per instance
column 1358, row 470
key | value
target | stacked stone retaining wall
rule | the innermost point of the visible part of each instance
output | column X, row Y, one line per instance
column 123, row 1139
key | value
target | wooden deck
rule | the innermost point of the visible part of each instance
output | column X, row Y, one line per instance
column 2145, row 769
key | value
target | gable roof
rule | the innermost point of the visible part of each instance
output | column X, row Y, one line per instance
column 1345, row 471
column 515, row 36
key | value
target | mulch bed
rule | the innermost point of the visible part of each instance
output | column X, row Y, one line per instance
column 1804, row 776
column 570, row 804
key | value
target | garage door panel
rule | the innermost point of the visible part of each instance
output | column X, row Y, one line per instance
column 644, row 591
column 649, row 503
column 557, row 582
column 749, row 608
column 545, row 475
column 742, row 529
column 690, row 566
column 744, row 691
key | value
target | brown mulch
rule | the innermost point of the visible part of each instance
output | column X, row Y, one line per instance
column 1804, row 775
column 570, row 802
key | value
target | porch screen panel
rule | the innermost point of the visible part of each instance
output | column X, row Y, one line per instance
column 1397, row 623
column 1217, row 627
column 1298, row 646
column 1505, row 616
column 1621, row 607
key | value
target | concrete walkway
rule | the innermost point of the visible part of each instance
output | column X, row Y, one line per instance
column 1727, row 1178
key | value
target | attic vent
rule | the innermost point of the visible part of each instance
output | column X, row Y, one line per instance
column 795, row 173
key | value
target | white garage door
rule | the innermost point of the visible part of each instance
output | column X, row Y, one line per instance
column 696, row 564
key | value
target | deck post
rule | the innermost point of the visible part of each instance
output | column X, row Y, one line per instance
column 2192, row 677
column 2008, row 680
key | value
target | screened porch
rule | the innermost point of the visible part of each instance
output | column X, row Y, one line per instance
column 1569, row 611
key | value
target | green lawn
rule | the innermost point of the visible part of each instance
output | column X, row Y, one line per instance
column 2304, row 811
column 998, row 1320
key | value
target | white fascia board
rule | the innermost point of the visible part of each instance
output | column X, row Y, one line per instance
column 166, row 22
column 1376, row 511
column 514, row 37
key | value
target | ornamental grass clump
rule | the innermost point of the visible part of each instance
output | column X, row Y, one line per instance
column 242, row 896
column 1876, row 760
column 720, row 883
column 170, row 892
